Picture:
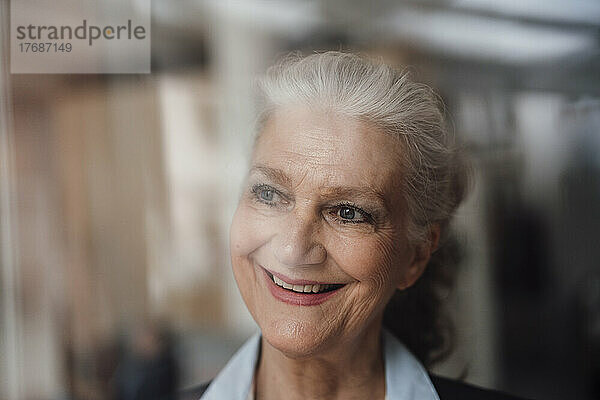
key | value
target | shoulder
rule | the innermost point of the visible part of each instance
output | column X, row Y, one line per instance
column 234, row 379
column 449, row 389
column 193, row 393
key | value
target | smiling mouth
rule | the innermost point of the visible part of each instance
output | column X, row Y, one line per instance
column 306, row 289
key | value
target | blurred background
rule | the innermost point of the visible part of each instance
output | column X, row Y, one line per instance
column 116, row 192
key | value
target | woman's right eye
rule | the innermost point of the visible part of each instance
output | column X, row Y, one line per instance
column 267, row 195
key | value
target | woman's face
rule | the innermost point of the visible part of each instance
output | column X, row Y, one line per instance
column 318, row 239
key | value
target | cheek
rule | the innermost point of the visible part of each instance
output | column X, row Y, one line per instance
column 247, row 232
column 376, row 260
column 244, row 238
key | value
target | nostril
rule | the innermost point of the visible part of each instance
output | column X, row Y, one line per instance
column 290, row 255
column 297, row 243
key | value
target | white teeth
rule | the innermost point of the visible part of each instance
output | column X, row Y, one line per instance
column 300, row 288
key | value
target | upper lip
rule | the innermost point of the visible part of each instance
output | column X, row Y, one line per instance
column 292, row 281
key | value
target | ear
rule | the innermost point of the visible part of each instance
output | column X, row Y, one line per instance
column 420, row 257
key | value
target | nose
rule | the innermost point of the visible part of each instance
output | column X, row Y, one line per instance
column 297, row 242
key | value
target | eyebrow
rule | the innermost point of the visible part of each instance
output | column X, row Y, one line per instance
column 354, row 192
column 274, row 174
column 351, row 192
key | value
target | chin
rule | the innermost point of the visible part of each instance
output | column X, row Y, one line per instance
column 295, row 339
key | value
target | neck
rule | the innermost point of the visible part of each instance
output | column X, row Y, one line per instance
column 351, row 370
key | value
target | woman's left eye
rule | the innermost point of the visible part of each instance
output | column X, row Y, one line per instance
column 347, row 213
column 350, row 214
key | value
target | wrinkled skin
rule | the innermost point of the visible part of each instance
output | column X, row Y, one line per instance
column 322, row 202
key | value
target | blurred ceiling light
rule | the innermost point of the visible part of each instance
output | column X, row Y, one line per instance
column 290, row 17
column 480, row 30
column 572, row 11
column 485, row 39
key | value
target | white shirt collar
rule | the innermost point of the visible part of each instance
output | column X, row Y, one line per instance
column 405, row 377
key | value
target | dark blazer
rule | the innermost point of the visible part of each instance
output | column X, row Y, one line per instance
column 447, row 389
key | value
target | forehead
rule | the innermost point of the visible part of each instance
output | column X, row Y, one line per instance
column 326, row 148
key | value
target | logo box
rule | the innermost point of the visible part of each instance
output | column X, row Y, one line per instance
column 80, row 36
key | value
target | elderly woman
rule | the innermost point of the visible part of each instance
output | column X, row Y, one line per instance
column 352, row 182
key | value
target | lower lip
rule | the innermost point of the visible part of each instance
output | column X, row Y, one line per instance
column 297, row 298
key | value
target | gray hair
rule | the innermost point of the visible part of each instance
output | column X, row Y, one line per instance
column 355, row 86
column 435, row 175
